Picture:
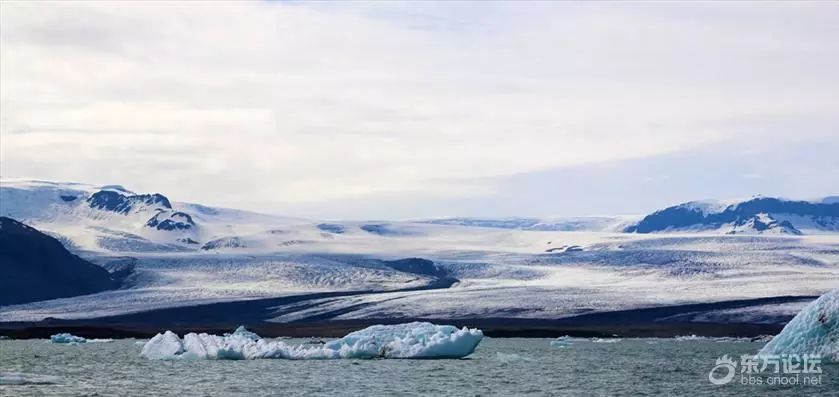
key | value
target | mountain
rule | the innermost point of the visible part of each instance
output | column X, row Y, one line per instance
column 759, row 215
column 37, row 267
column 112, row 218
column 187, row 256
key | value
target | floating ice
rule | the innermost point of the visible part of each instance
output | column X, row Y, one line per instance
column 411, row 340
column 67, row 338
column 605, row 340
column 815, row 330
column 243, row 332
column 688, row 338
column 562, row 341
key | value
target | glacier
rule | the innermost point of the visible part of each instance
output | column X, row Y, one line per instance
column 815, row 330
column 408, row 340
column 528, row 268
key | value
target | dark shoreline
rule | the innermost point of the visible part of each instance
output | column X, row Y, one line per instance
column 223, row 317
column 337, row 329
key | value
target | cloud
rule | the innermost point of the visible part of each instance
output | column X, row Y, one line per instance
column 270, row 105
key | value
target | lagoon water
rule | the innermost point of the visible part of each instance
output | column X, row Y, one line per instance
column 498, row 367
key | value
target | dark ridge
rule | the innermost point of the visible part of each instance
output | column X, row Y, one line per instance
column 121, row 269
column 68, row 198
column 223, row 317
column 37, row 267
column 420, row 266
column 383, row 229
column 739, row 214
column 110, row 200
column 332, row 228
column 224, row 242
column 173, row 221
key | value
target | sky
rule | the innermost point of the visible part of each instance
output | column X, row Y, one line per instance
column 394, row 110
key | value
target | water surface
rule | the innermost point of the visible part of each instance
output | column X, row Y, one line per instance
column 498, row 367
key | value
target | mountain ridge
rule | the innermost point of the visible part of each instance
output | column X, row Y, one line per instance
column 757, row 215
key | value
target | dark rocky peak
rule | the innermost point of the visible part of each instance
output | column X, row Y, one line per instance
column 114, row 201
column 167, row 220
column 759, row 212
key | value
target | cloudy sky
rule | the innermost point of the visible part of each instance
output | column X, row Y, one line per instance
column 418, row 109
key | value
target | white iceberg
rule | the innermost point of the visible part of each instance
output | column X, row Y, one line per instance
column 815, row 330
column 66, row 338
column 411, row 340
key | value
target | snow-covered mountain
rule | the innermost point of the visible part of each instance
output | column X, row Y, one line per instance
column 112, row 218
column 758, row 215
column 185, row 254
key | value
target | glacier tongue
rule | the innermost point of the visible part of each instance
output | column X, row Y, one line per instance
column 815, row 330
column 410, row 340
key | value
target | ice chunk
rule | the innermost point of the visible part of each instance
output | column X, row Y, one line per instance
column 815, row 330
column 689, row 338
column 562, row 341
column 411, row 340
column 242, row 331
column 605, row 340
column 165, row 345
column 67, row 338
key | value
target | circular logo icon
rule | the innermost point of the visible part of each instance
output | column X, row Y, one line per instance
column 723, row 372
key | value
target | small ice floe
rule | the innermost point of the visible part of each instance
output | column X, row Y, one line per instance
column 688, row 338
column 22, row 378
column 411, row 340
column 813, row 331
column 605, row 340
column 69, row 339
column 562, row 341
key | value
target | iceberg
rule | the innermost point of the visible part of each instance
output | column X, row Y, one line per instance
column 243, row 332
column 410, row 340
column 66, row 338
column 815, row 330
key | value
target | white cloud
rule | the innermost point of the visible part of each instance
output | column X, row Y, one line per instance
column 268, row 105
